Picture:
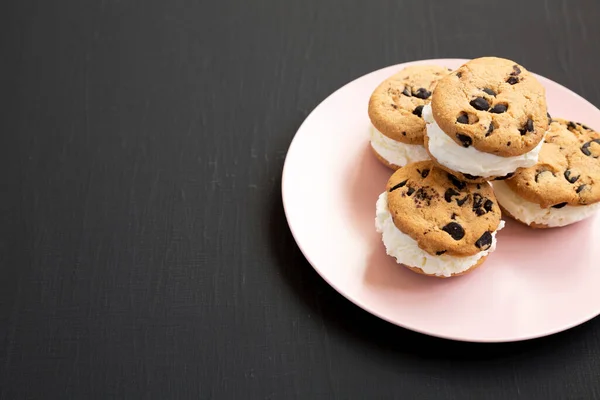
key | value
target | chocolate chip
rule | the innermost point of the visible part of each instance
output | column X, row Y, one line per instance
column 454, row 230
column 463, row 119
column 394, row 106
column 456, row 182
column 586, row 147
column 425, row 194
column 512, row 80
column 560, row 205
column 477, row 201
column 485, row 241
column 439, row 253
column 549, row 117
column 422, row 194
column 418, row 111
column 580, row 188
column 449, row 194
column 571, row 125
column 488, row 205
column 586, row 127
column 422, row 93
column 527, row 128
column 479, row 103
column 459, row 74
column 516, row 70
column 424, row 173
column 464, row 139
column 462, row 201
column 406, row 91
column 539, row 173
column 398, row 186
column 505, row 177
column 403, row 133
column 499, row 109
column 471, row 177
column 453, row 216
column 481, row 205
column 508, row 143
column 570, row 177
column 490, row 130
column 529, row 125
column 490, row 92
column 410, row 191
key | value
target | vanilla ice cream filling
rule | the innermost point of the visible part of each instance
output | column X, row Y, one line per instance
column 529, row 212
column 406, row 250
column 395, row 152
column 469, row 160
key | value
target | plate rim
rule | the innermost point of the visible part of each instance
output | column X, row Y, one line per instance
column 357, row 302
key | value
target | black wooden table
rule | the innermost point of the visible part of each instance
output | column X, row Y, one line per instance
column 145, row 252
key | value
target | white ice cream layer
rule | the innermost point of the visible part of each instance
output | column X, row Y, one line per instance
column 469, row 160
column 394, row 152
column 406, row 250
column 529, row 212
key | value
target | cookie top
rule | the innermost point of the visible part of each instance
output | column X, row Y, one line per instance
column 442, row 213
column 396, row 104
column 492, row 104
column 568, row 170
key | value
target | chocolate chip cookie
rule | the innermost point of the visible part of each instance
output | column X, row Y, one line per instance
column 442, row 213
column 492, row 104
column 396, row 105
column 568, row 171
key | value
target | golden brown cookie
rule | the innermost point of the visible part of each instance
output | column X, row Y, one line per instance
column 568, row 170
column 395, row 105
column 492, row 104
column 443, row 214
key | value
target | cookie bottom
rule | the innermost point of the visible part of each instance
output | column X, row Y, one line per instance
column 383, row 160
column 531, row 225
column 421, row 272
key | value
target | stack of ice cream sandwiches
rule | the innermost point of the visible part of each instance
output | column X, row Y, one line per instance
column 468, row 147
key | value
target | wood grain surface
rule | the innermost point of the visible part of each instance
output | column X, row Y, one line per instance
column 145, row 253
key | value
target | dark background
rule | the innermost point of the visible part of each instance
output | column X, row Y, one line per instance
column 145, row 252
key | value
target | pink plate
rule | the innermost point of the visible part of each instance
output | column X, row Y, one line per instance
column 538, row 282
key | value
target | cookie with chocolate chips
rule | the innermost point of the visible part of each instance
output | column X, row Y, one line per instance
column 396, row 104
column 442, row 213
column 568, row 170
column 492, row 104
